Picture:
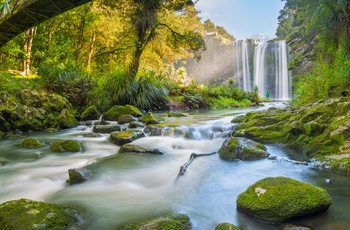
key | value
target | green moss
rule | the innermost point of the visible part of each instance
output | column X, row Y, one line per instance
column 67, row 120
column 65, row 146
column 278, row 199
column 127, row 136
column 30, row 143
column 116, row 111
column 138, row 149
column 28, row 214
column 151, row 118
column 175, row 114
column 226, row 226
column 91, row 113
column 2, row 135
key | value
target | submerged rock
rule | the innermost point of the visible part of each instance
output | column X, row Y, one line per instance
column 136, row 124
column 65, row 146
column 116, row 111
column 226, row 226
column 278, row 199
column 29, row 214
column 175, row 114
column 30, row 143
column 77, row 176
column 167, row 222
column 151, row 118
column 237, row 148
column 126, row 118
column 107, row 128
column 139, row 149
column 124, row 137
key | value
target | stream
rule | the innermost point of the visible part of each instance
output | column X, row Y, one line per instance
column 127, row 188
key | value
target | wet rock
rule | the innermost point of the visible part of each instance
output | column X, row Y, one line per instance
column 29, row 214
column 167, row 222
column 77, row 176
column 91, row 113
column 139, row 149
column 136, row 124
column 126, row 118
column 92, row 134
column 3, row 163
column 116, row 111
column 107, row 128
column 294, row 227
column 279, row 199
column 152, row 130
column 30, row 143
column 65, row 146
column 238, row 148
column 272, row 158
column 175, row 114
column 226, row 226
column 67, row 120
column 151, row 118
column 124, row 137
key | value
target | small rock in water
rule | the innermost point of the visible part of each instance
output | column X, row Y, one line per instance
column 328, row 180
column 272, row 158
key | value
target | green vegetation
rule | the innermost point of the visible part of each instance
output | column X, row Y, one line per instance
column 65, row 146
column 30, row 143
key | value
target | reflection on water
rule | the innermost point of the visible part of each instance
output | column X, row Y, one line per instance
column 133, row 187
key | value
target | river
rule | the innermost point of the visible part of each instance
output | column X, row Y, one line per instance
column 127, row 188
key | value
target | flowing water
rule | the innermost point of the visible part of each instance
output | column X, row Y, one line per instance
column 127, row 188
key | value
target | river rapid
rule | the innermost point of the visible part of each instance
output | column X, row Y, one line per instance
column 127, row 188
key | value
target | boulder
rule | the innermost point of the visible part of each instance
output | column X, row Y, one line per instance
column 226, row 226
column 116, row 111
column 151, row 118
column 139, row 149
column 77, row 176
column 107, row 128
column 29, row 214
column 67, row 120
column 136, row 124
column 279, row 199
column 126, row 118
column 30, row 143
column 239, row 148
column 91, row 113
column 153, row 130
column 124, row 137
column 65, row 146
column 167, row 222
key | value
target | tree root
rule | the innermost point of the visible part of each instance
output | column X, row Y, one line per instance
column 193, row 155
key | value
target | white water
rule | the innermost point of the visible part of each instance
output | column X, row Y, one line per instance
column 242, row 65
column 259, row 68
column 127, row 188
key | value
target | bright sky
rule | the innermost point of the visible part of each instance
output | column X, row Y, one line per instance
column 243, row 18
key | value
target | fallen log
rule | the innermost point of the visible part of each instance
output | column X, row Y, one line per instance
column 193, row 155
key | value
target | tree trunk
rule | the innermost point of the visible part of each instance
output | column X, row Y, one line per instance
column 110, row 62
column 27, row 50
column 91, row 51
column 135, row 64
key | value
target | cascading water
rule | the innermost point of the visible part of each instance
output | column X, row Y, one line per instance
column 270, row 68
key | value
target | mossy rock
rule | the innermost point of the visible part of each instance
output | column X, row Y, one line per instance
column 167, row 222
column 29, row 214
column 136, row 124
column 226, row 226
column 151, row 118
column 65, row 146
column 175, row 114
column 239, row 148
column 129, row 148
column 30, row 143
column 116, row 111
column 124, row 137
column 67, row 120
column 106, row 128
column 77, row 176
column 3, row 163
column 91, row 113
column 126, row 118
column 279, row 199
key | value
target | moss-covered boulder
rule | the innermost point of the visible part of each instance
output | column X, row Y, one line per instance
column 29, row 214
column 152, row 130
column 77, row 176
column 151, row 118
column 126, row 118
column 172, row 113
column 124, row 137
column 116, row 111
column 67, row 120
column 238, row 148
column 167, row 222
column 30, row 143
column 65, row 146
column 107, row 128
column 91, row 113
column 129, row 148
column 226, row 226
column 136, row 124
column 278, row 199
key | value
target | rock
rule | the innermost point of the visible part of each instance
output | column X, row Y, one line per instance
column 168, row 222
column 30, row 143
column 67, row 120
column 116, row 111
column 29, row 214
column 272, row 158
column 238, row 148
column 124, row 137
column 151, row 118
column 139, row 149
column 91, row 113
column 294, row 227
column 65, row 146
column 107, row 128
column 3, row 163
column 77, row 176
column 153, row 130
column 126, row 118
column 136, row 124
column 175, row 114
column 226, row 226
column 279, row 199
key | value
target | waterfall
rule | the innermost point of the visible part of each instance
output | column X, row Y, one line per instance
column 270, row 68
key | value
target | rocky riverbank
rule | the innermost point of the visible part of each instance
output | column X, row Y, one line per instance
column 321, row 130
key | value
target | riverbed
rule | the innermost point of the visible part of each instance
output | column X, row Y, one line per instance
column 128, row 187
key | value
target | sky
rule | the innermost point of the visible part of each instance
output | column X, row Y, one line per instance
column 243, row 18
